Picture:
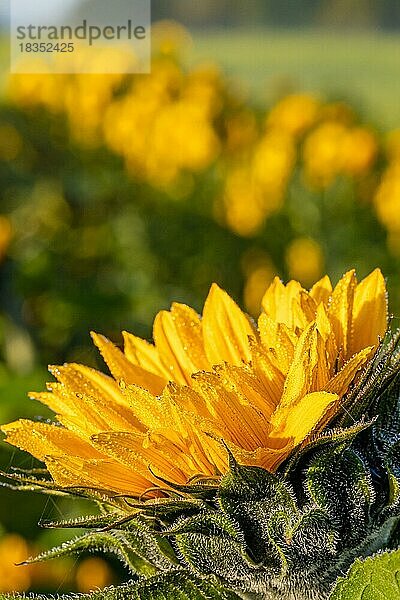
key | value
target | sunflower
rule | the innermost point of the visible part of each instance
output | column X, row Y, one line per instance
column 166, row 408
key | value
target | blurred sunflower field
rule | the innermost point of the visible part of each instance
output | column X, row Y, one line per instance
column 121, row 193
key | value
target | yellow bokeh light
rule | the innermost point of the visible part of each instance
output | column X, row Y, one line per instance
column 13, row 549
column 259, row 272
column 6, row 234
column 305, row 260
column 294, row 113
column 93, row 573
column 387, row 197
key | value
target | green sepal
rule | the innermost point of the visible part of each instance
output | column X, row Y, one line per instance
column 328, row 436
column 366, row 396
column 387, row 425
column 213, row 555
column 202, row 490
column 310, row 541
column 216, row 523
column 176, row 585
column 251, row 496
column 375, row 578
column 84, row 522
column 212, row 544
column 140, row 550
column 339, row 483
column 29, row 483
column 168, row 509
column 392, row 469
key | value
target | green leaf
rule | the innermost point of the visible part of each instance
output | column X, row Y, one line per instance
column 375, row 578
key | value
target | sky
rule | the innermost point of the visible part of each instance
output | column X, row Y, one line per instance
column 54, row 9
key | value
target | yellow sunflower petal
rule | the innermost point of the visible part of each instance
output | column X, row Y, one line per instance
column 340, row 383
column 116, row 477
column 340, row 310
column 322, row 290
column 244, row 425
column 143, row 354
column 179, row 340
column 104, row 474
column 300, row 376
column 141, row 452
column 67, row 471
column 57, row 402
column 269, row 375
column 121, row 368
column 278, row 338
column 102, row 391
column 370, row 312
column 279, row 300
column 41, row 439
column 226, row 329
column 324, row 328
column 300, row 420
column 151, row 410
column 247, row 386
column 268, row 458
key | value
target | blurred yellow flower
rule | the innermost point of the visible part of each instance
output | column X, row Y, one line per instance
column 273, row 161
column 241, row 131
column 13, row 550
column 169, row 38
column 32, row 89
column 256, row 190
column 245, row 206
column 305, row 260
column 93, row 573
column 333, row 149
column 273, row 388
column 322, row 153
column 358, row 151
column 259, row 272
column 393, row 144
column 386, row 199
column 294, row 114
column 164, row 124
column 6, row 234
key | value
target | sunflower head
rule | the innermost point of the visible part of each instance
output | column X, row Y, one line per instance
column 169, row 409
